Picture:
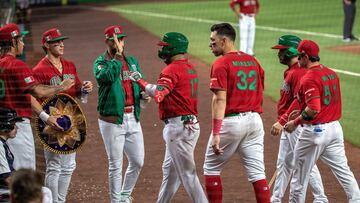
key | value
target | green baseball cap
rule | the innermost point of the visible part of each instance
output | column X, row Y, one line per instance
column 287, row 41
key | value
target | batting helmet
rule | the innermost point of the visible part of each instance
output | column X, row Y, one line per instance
column 8, row 118
column 290, row 43
column 173, row 43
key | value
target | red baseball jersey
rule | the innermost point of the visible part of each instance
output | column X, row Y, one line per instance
column 290, row 87
column 243, row 79
column 15, row 78
column 246, row 6
column 322, row 82
column 127, row 84
column 181, row 78
column 46, row 73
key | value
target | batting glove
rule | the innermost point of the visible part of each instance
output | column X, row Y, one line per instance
column 135, row 76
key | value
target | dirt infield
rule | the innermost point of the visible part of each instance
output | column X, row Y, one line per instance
column 84, row 26
column 352, row 49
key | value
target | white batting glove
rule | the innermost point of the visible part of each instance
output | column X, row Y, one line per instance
column 135, row 76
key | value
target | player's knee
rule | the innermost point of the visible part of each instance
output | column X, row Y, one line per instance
column 115, row 165
column 137, row 163
column 69, row 168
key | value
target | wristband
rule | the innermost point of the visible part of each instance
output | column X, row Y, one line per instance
column 44, row 116
column 216, row 126
column 142, row 84
column 298, row 121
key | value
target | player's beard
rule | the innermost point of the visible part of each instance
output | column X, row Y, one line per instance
column 284, row 60
column 113, row 51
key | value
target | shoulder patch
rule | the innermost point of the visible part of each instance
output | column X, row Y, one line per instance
column 29, row 79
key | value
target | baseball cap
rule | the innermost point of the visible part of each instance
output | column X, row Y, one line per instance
column 115, row 29
column 309, row 47
column 10, row 31
column 287, row 41
column 52, row 35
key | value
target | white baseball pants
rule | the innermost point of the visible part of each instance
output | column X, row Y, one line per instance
column 59, row 169
column 23, row 146
column 119, row 139
column 247, row 33
column 285, row 166
column 324, row 141
column 179, row 164
column 244, row 135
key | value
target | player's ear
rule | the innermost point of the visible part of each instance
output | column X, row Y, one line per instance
column 14, row 43
column 46, row 45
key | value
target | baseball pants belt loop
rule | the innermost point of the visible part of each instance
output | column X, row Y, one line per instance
column 238, row 114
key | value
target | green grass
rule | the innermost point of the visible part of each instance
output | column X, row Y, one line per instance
column 321, row 16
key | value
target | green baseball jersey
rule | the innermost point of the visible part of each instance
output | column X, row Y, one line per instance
column 111, row 96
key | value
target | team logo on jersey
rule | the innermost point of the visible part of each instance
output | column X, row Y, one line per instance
column 116, row 30
column 69, row 76
column 285, row 87
column 99, row 67
column 56, row 80
column 29, row 79
column 126, row 75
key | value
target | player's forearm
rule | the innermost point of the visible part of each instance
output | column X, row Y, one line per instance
column 35, row 105
column 43, row 91
column 219, row 105
column 37, row 108
column 306, row 116
column 158, row 92
column 218, row 110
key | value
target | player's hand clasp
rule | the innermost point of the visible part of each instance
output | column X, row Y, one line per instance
column 135, row 76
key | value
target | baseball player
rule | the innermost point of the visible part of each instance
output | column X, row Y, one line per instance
column 237, row 81
column 119, row 109
column 246, row 15
column 16, row 80
column 319, row 98
column 8, row 119
column 176, row 93
column 52, row 70
column 288, row 55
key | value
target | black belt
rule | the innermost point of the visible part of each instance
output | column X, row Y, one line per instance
column 186, row 119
